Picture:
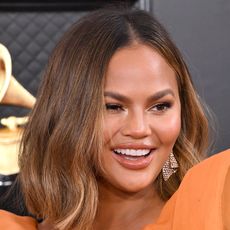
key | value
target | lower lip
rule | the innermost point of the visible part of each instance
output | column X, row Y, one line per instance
column 135, row 164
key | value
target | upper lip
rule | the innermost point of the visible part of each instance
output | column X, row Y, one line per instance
column 133, row 146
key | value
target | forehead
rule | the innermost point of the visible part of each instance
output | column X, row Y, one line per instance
column 139, row 66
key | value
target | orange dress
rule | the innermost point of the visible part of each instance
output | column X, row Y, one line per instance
column 10, row 221
column 202, row 201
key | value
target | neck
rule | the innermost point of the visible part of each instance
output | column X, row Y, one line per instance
column 123, row 210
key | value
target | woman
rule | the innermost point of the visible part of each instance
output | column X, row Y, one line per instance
column 116, row 126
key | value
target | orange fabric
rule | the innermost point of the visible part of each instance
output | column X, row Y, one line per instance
column 10, row 221
column 202, row 201
column 226, row 203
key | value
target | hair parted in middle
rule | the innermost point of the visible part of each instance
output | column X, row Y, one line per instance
column 60, row 154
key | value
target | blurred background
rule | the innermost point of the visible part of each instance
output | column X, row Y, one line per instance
column 201, row 29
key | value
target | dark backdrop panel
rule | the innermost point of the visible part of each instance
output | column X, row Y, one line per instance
column 31, row 28
column 201, row 29
column 30, row 38
column 59, row 5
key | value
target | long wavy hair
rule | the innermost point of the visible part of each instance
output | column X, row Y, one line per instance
column 60, row 154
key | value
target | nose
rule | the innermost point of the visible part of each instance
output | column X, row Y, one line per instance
column 136, row 125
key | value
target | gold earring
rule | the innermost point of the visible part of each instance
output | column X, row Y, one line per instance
column 170, row 167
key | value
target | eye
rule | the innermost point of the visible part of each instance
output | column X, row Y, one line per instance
column 114, row 107
column 161, row 107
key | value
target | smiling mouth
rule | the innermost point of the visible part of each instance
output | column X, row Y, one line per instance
column 133, row 159
column 133, row 153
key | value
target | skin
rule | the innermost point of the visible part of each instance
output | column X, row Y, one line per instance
column 134, row 116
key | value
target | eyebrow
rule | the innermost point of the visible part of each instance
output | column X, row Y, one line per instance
column 153, row 97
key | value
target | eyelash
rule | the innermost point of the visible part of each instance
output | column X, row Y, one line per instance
column 160, row 107
column 114, row 107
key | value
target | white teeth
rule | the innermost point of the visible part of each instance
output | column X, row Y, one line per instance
column 133, row 152
column 131, row 158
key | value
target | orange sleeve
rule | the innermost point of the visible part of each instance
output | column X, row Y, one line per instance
column 202, row 200
column 10, row 221
column 226, row 202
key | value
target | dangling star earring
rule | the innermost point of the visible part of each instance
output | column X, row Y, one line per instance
column 169, row 167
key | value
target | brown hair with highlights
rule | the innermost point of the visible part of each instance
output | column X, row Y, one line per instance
column 60, row 153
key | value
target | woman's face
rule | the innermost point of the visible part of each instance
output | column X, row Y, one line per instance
column 142, row 118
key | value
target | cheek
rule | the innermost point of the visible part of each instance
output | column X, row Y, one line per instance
column 168, row 129
column 111, row 125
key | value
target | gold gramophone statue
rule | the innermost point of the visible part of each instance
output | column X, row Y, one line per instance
column 11, row 92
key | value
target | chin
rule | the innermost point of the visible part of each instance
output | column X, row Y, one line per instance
column 137, row 188
column 135, row 184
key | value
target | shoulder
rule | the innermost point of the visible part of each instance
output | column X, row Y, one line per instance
column 202, row 201
column 208, row 177
column 204, row 194
column 211, row 172
column 219, row 161
column 10, row 221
